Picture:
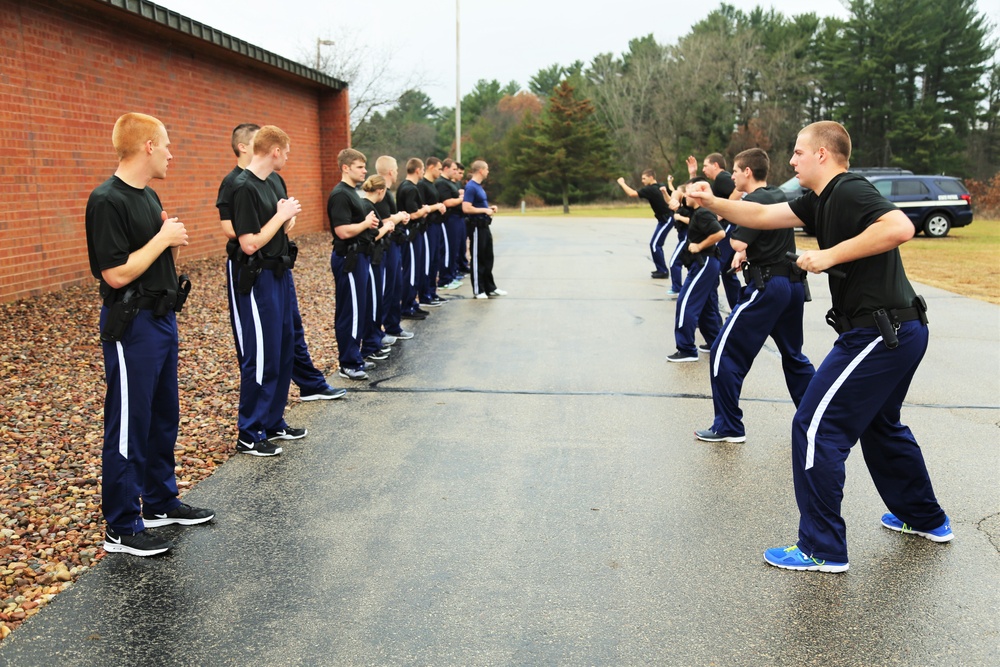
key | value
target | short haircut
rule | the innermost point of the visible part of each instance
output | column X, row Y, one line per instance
column 349, row 156
column 432, row 161
column 460, row 166
column 384, row 164
column 696, row 179
column 477, row 166
column 650, row 173
column 447, row 162
column 756, row 159
column 373, row 184
column 413, row 165
column 268, row 138
column 243, row 134
column 832, row 136
column 717, row 158
column 132, row 130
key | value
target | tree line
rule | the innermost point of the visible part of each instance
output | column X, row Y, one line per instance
column 916, row 82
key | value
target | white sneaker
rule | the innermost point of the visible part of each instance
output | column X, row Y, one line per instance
column 498, row 292
column 482, row 295
column 389, row 339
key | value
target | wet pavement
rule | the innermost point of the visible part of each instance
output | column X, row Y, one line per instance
column 519, row 485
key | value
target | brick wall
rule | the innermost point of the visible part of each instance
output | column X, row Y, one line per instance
column 68, row 70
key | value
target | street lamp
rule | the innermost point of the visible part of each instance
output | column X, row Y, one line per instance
column 458, row 86
column 319, row 43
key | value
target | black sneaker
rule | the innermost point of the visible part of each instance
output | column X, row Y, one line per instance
column 708, row 435
column 287, row 433
column 680, row 357
column 421, row 311
column 327, row 394
column 259, row 448
column 705, row 348
column 415, row 316
column 432, row 304
column 377, row 355
column 183, row 514
column 142, row 543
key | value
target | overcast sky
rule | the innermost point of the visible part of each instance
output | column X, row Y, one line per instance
column 501, row 39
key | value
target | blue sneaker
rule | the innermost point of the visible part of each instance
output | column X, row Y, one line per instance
column 792, row 558
column 940, row 534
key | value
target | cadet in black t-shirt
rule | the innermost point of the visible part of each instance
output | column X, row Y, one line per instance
column 132, row 245
column 771, row 305
column 450, row 194
column 398, row 243
column 409, row 199
column 714, row 168
column 698, row 302
column 353, row 232
column 858, row 390
column 260, row 222
column 433, row 233
column 651, row 192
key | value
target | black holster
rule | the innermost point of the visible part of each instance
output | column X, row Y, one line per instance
column 120, row 313
column 248, row 269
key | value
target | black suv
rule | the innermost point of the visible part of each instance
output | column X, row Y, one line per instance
column 934, row 204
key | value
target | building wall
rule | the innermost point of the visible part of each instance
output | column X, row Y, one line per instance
column 67, row 72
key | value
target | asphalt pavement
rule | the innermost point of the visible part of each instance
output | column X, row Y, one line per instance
column 519, row 485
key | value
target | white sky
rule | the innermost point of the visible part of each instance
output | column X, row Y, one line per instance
column 501, row 39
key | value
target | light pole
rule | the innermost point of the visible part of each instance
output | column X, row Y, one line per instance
column 458, row 85
column 319, row 43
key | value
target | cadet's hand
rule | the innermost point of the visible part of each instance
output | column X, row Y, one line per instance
column 461, row 192
column 173, row 231
column 701, row 191
column 289, row 224
column 815, row 261
column 371, row 219
column 670, row 178
column 738, row 259
column 692, row 165
column 389, row 224
column 425, row 209
column 441, row 208
column 621, row 180
column 289, row 208
column 493, row 209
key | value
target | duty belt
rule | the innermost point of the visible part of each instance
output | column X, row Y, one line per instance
column 841, row 323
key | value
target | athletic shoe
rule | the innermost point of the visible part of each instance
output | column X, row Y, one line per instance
column 421, row 311
column 940, row 534
column 287, row 433
column 327, row 394
column 678, row 357
column 404, row 335
column 389, row 340
column 414, row 316
column 142, row 543
column 454, row 284
column 482, row 295
column 369, row 365
column 705, row 347
column 184, row 515
column 379, row 355
column 352, row 373
column 259, row 448
column 792, row 558
column 672, row 294
column 708, row 435
column 659, row 275
column 432, row 304
column 498, row 292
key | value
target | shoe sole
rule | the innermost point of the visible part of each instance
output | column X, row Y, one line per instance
column 811, row 568
column 288, row 437
column 323, row 397
column 722, row 438
column 157, row 523
column 355, row 379
column 254, row 452
column 682, row 361
column 927, row 536
column 113, row 548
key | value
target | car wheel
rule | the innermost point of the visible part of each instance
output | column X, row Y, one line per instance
column 937, row 225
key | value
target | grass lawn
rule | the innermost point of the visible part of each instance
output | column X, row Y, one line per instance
column 963, row 262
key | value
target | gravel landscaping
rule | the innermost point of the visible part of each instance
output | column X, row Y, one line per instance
column 51, row 416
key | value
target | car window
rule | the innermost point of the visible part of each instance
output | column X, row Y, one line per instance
column 884, row 188
column 909, row 188
column 951, row 187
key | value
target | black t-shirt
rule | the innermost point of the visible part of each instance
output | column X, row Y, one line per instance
column 254, row 203
column 766, row 247
column 430, row 194
column 654, row 196
column 448, row 189
column 224, row 202
column 344, row 207
column 685, row 211
column 848, row 205
column 121, row 219
column 723, row 185
column 408, row 197
column 703, row 224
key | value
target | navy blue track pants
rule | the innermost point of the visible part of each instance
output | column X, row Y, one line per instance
column 141, row 413
column 352, row 308
column 392, row 260
column 857, row 393
column 698, row 306
column 663, row 228
column 775, row 311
